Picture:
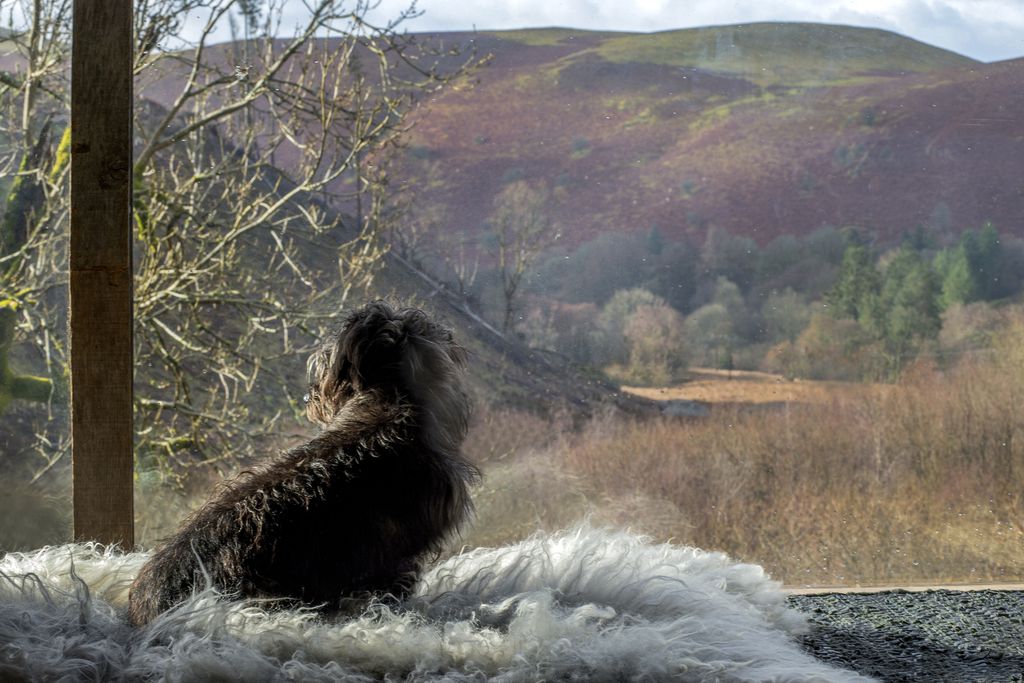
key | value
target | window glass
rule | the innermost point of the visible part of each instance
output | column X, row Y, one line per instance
column 749, row 279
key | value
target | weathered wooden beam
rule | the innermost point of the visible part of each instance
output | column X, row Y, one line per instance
column 101, row 270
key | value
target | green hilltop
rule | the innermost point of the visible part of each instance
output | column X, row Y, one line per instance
column 770, row 53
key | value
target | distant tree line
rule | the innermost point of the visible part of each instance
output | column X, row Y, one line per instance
column 830, row 304
column 901, row 300
column 644, row 306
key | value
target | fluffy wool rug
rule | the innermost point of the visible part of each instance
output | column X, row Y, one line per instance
column 581, row 605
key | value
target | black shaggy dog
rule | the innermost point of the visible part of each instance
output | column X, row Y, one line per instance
column 357, row 509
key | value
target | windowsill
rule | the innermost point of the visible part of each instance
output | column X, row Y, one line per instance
column 959, row 632
column 889, row 588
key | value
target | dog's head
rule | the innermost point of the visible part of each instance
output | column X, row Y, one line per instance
column 393, row 355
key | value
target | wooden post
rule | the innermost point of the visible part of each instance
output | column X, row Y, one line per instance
column 101, row 270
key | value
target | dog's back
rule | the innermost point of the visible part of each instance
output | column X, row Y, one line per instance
column 352, row 512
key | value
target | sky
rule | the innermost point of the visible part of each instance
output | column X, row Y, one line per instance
column 987, row 30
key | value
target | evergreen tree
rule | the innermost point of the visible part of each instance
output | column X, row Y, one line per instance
column 900, row 266
column 958, row 282
column 972, row 270
column 915, row 311
column 910, row 302
column 872, row 314
column 988, row 260
column 858, row 279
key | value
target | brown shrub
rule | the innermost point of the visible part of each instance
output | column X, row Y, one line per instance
column 657, row 353
column 920, row 482
column 828, row 349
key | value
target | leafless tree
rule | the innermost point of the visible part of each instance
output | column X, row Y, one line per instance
column 260, row 179
column 523, row 229
column 424, row 237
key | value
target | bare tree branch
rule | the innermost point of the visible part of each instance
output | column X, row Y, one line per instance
column 260, row 200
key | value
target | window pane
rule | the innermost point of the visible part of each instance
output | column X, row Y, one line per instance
column 754, row 287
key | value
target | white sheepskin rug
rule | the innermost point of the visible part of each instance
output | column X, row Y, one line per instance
column 581, row 605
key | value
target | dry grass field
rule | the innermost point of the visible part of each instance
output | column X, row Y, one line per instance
column 824, row 484
column 919, row 482
column 718, row 387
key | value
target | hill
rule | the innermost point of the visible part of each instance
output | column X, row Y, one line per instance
column 761, row 129
column 758, row 130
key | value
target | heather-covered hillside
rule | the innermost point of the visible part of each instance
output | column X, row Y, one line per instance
column 760, row 130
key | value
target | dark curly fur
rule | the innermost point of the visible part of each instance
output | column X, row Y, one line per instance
column 357, row 509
